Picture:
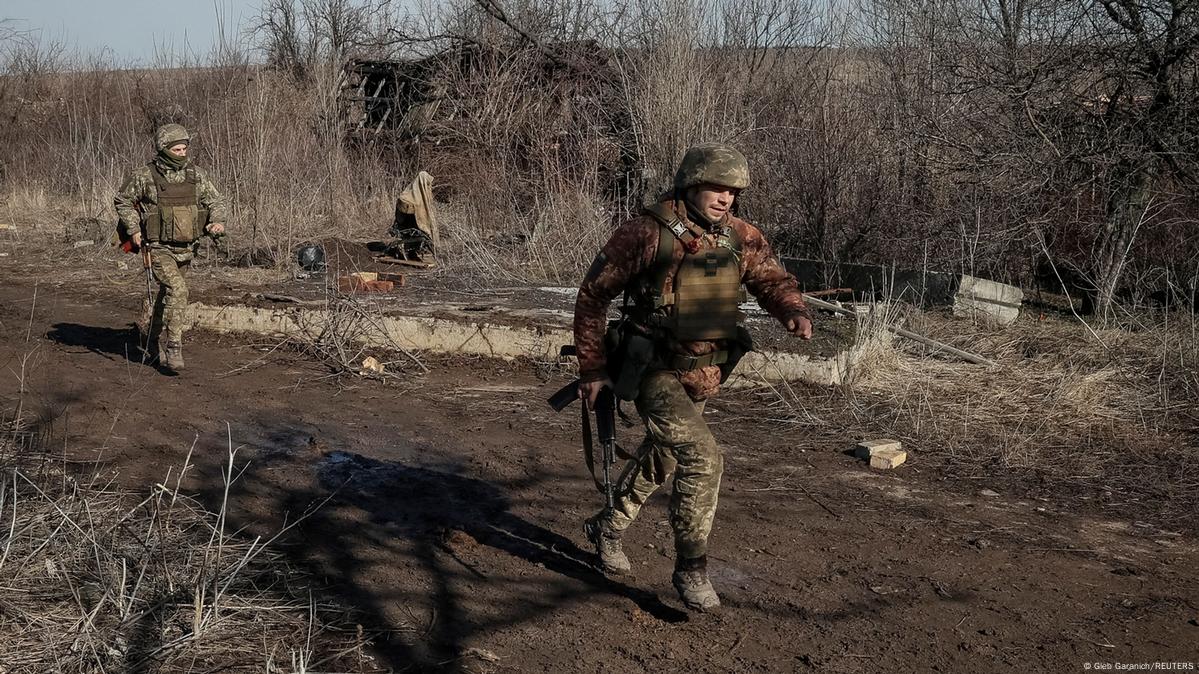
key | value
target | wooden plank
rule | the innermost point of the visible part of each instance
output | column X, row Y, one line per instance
column 407, row 263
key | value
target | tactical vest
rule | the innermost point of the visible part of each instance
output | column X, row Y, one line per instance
column 179, row 218
column 702, row 304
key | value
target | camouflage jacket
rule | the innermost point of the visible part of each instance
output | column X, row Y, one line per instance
column 139, row 191
column 631, row 251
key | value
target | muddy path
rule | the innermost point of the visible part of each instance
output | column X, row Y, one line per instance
column 447, row 509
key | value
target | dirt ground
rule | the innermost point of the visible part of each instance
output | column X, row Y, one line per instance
column 448, row 511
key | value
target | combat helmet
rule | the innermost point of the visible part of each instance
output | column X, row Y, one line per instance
column 714, row 163
column 170, row 134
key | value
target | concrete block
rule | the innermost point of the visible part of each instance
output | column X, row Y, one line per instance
column 866, row 448
column 999, row 302
column 886, row 459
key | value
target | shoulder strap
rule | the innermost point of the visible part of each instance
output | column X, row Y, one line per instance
column 662, row 260
column 160, row 181
column 680, row 230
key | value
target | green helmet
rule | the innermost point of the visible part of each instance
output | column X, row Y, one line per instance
column 170, row 134
column 714, row 163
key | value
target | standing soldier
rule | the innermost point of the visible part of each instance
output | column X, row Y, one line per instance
column 681, row 265
column 167, row 205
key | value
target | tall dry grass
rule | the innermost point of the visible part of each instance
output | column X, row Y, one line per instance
column 1110, row 412
column 101, row 579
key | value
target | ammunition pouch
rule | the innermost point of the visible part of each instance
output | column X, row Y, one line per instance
column 179, row 219
column 630, row 353
column 736, row 349
column 726, row 358
column 685, row 363
column 179, row 226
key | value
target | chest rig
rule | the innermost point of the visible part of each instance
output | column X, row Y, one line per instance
column 178, row 218
column 704, row 290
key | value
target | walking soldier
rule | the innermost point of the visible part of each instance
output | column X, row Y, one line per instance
column 683, row 266
column 167, row 205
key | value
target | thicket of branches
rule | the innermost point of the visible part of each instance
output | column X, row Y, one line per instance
column 1005, row 138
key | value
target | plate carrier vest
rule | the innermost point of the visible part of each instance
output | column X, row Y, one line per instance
column 179, row 218
column 702, row 302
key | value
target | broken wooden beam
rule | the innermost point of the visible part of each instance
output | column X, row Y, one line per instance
column 934, row 344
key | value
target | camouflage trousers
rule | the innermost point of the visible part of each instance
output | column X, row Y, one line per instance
column 677, row 440
column 169, row 313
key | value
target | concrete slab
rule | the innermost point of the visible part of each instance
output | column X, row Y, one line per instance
column 980, row 298
column 533, row 334
column 969, row 296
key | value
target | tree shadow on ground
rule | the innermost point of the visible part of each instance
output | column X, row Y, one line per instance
column 441, row 530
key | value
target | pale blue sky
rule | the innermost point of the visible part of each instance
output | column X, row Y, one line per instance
column 132, row 31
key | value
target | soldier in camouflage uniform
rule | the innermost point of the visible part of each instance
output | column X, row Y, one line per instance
column 681, row 265
column 167, row 205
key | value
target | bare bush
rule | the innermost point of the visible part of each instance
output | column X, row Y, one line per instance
column 973, row 136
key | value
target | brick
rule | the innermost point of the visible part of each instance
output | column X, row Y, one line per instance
column 352, row 284
column 365, row 276
column 397, row 279
column 866, row 448
column 886, row 459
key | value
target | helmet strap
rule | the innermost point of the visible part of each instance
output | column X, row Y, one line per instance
column 699, row 218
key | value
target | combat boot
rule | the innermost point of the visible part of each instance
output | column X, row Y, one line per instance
column 691, row 580
column 611, row 555
column 170, row 355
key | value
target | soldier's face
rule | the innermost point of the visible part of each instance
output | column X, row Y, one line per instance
column 713, row 201
column 178, row 149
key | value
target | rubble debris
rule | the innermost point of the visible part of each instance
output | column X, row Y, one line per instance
column 989, row 493
column 887, row 459
column 883, row 454
column 866, row 448
column 977, row 297
column 938, row 346
column 367, row 278
column 355, row 284
column 969, row 296
column 408, row 263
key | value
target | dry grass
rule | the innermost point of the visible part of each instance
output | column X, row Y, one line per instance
column 1113, row 410
column 97, row 580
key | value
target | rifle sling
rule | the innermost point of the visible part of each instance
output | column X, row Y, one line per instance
column 589, row 452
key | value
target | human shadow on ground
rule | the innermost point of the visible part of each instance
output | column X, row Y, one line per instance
column 112, row 343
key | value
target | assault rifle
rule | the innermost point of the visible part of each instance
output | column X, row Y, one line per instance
column 605, row 430
column 147, row 265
